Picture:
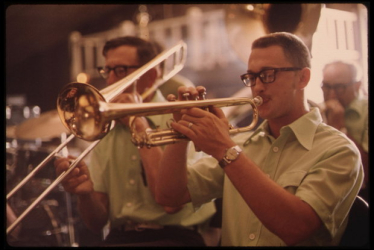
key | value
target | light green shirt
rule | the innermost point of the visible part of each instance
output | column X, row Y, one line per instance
column 309, row 159
column 357, row 121
column 116, row 170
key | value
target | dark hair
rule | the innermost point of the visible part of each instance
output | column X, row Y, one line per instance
column 293, row 47
column 146, row 50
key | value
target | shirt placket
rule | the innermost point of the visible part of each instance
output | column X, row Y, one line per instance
column 254, row 234
column 131, row 180
column 269, row 167
column 273, row 158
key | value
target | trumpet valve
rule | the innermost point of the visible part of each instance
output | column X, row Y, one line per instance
column 171, row 98
column 186, row 95
column 202, row 92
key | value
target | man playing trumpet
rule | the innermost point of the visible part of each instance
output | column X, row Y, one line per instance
column 290, row 182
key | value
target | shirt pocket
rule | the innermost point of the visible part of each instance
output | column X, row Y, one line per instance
column 291, row 180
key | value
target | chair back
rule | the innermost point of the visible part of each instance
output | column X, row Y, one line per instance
column 357, row 231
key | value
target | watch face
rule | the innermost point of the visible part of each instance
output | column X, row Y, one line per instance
column 232, row 154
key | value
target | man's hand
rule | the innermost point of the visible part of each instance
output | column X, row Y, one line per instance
column 78, row 181
column 208, row 129
column 186, row 94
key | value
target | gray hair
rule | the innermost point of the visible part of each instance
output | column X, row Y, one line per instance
column 353, row 67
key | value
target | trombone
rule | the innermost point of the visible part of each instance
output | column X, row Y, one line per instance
column 177, row 53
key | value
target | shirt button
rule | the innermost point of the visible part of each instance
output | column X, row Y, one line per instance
column 128, row 204
column 134, row 157
column 252, row 236
column 275, row 149
column 132, row 182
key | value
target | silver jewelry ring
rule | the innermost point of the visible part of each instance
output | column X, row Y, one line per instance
column 190, row 125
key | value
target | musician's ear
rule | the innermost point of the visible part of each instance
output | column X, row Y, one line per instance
column 304, row 78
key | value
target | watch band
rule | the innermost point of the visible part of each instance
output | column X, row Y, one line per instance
column 231, row 155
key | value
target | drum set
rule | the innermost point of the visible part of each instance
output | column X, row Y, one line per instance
column 30, row 137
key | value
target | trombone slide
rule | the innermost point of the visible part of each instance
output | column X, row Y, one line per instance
column 178, row 54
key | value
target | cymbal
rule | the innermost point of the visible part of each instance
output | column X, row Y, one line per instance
column 48, row 125
column 11, row 131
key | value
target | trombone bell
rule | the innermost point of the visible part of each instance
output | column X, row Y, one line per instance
column 78, row 108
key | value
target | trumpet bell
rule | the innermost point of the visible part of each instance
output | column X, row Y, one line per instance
column 78, row 108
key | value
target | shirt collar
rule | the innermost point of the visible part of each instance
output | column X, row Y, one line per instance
column 261, row 131
column 356, row 105
column 304, row 128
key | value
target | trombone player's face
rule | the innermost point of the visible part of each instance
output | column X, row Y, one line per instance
column 123, row 61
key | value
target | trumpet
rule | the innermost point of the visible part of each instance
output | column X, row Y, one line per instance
column 176, row 55
column 91, row 118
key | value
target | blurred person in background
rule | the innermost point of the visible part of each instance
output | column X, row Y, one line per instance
column 346, row 108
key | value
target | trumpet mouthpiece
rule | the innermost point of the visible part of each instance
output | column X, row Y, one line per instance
column 258, row 100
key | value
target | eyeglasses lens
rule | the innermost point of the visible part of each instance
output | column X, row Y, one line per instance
column 266, row 76
column 338, row 88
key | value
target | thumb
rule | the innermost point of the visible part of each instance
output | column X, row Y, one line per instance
column 217, row 112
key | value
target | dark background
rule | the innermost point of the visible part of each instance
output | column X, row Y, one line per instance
column 37, row 56
column 36, row 44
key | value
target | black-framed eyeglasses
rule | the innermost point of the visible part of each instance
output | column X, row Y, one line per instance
column 120, row 70
column 339, row 88
column 266, row 75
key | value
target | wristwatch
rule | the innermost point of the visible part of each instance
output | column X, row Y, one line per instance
column 230, row 156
